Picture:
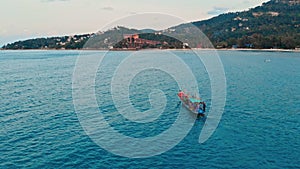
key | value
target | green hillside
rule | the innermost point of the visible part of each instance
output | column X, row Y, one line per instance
column 275, row 24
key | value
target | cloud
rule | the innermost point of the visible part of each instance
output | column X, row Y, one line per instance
column 217, row 11
column 132, row 13
column 107, row 8
column 246, row 2
column 54, row 0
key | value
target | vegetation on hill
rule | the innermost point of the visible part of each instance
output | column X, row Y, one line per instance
column 65, row 42
column 160, row 41
column 275, row 24
column 107, row 39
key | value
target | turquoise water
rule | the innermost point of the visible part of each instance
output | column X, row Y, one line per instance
column 259, row 128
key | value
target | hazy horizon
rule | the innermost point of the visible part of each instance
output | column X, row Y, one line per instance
column 45, row 18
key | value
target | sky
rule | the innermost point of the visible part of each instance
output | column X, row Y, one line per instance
column 23, row 19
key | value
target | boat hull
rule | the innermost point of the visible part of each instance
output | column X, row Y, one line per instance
column 191, row 110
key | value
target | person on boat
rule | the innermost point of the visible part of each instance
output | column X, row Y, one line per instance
column 191, row 106
column 197, row 107
column 204, row 106
column 200, row 111
column 186, row 99
column 180, row 94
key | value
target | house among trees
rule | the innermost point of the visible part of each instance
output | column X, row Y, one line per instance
column 134, row 41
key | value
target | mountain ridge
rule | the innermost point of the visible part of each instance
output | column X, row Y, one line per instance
column 274, row 24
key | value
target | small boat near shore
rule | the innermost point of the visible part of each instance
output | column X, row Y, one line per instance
column 193, row 104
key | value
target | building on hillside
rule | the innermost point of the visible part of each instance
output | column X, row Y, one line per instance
column 134, row 41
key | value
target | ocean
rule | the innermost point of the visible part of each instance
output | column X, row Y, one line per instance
column 41, row 127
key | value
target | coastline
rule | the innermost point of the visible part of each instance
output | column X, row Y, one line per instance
column 203, row 49
column 261, row 50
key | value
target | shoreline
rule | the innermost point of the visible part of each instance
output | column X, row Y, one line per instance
column 202, row 49
column 261, row 50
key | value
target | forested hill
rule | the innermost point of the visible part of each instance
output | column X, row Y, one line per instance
column 274, row 24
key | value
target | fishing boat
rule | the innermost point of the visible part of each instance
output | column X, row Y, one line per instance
column 193, row 104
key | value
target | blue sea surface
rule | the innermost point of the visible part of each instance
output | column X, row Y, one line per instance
column 259, row 128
